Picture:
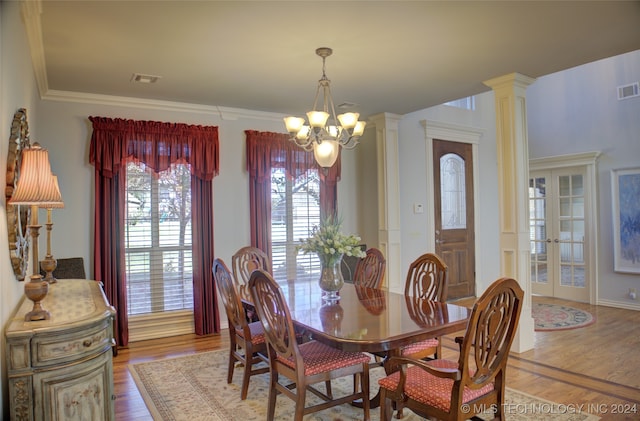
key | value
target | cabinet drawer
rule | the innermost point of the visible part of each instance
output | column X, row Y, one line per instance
column 72, row 345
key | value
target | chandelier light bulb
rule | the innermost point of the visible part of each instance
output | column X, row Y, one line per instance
column 334, row 132
column 326, row 152
column 358, row 130
column 293, row 124
column 348, row 120
column 303, row 133
column 317, row 119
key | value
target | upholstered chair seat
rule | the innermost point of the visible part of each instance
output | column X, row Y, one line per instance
column 257, row 333
column 431, row 390
column 419, row 347
column 318, row 358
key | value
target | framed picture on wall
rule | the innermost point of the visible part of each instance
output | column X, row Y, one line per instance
column 625, row 189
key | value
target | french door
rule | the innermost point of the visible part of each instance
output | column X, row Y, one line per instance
column 558, row 220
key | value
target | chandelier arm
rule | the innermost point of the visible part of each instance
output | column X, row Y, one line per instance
column 351, row 143
column 315, row 100
column 333, row 108
column 304, row 143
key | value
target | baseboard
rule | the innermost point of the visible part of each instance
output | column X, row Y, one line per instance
column 618, row 304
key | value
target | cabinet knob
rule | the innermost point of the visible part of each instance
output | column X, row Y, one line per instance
column 87, row 343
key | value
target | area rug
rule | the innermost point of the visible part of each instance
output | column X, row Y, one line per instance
column 557, row 317
column 194, row 388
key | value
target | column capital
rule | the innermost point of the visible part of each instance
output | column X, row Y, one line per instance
column 511, row 79
column 384, row 119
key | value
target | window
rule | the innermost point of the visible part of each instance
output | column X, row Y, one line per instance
column 452, row 190
column 295, row 211
column 468, row 103
column 158, row 251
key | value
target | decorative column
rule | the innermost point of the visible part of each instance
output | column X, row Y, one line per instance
column 389, row 196
column 513, row 181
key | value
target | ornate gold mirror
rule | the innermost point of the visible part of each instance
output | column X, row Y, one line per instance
column 17, row 216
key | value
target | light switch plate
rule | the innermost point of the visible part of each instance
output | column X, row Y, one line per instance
column 418, row 208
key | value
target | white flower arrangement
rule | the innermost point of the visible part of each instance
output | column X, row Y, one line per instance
column 330, row 244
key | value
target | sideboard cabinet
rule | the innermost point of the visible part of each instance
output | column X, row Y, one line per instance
column 61, row 368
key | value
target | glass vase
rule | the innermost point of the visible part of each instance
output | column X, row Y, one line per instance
column 331, row 280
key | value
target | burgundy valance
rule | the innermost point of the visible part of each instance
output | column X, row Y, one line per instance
column 158, row 145
column 282, row 153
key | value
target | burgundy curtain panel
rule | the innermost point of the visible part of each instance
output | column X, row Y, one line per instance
column 158, row 145
column 267, row 150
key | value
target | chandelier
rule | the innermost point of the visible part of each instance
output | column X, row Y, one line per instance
column 322, row 133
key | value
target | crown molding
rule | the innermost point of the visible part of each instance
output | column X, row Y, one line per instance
column 224, row 113
column 31, row 11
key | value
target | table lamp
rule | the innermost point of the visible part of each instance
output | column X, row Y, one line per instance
column 49, row 263
column 37, row 188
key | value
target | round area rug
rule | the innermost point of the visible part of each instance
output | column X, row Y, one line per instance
column 557, row 317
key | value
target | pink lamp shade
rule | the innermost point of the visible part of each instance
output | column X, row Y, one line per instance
column 36, row 186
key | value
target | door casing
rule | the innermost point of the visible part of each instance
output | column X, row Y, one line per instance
column 588, row 160
column 451, row 133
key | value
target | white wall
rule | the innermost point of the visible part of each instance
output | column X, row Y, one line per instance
column 577, row 110
column 415, row 230
column 17, row 90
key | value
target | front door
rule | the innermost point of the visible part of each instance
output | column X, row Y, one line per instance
column 454, row 207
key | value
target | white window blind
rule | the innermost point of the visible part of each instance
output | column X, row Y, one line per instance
column 295, row 211
column 158, row 240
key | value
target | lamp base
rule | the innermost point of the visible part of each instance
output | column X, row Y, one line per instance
column 48, row 265
column 35, row 290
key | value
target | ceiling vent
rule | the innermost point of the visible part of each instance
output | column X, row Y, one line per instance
column 142, row 78
column 628, row 91
column 346, row 105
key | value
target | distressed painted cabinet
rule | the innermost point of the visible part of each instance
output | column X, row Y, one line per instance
column 61, row 369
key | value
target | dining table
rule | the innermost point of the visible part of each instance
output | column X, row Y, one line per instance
column 370, row 320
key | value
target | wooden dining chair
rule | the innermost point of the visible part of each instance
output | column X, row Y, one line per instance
column 303, row 364
column 370, row 269
column 427, row 279
column 456, row 390
column 247, row 340
column 243, row 262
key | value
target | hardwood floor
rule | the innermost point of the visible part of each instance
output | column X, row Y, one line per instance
column 597, row 366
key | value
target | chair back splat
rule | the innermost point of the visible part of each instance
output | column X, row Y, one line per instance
column 247, row 340
column 455, row 390
column 243, row 262
column 370, row 269
column 303, row 365
column 427, row 278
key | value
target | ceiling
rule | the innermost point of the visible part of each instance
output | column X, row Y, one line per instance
column 388, row 56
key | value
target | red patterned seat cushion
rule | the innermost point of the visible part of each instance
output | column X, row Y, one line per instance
column 320, row 358
column 419, row 347
column 257, row 333
column 429, row 389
